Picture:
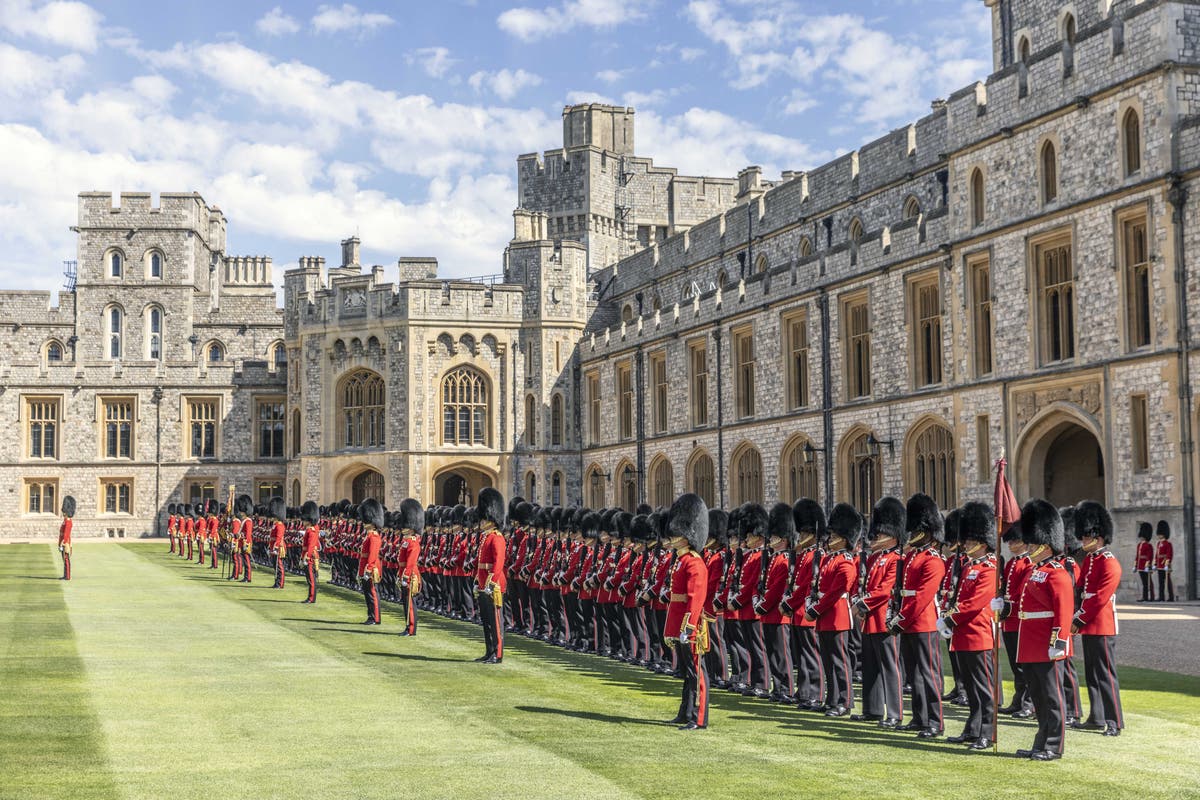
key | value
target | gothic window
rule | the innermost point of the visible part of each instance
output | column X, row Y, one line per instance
column 855, row 235
column 806, row 247
column 799, row 475
column 1136, row 262
column 116, row 265
column 464, row 408
column 627, row 313
column 216, row 352
column 1056, row 301
column 270, row 428
column 1023, row 48
column 296, row 432
column 722, row 278
column 796, row 347
column 278, row 356
column 42, row 427
column 530, row 421
column 154, row 333
column 933, row 465
column 594, row 408
column 700, row 478
column 662, row 478
column 912, row 208
column 115, row 320
column 658, row 379
column 743, row 370
column 556, row 482
column 863, row 473
column 747, row 476
column 625, row 398
column 361, row 409
column 927, row 331
column 118, row 428
column 296, row 492
column 976, row 197
column 54, row 353
column 531, row 487
column 156, row 264
column 1131, row 141
column 698, row 383
column 202, row 428
column 1049, row 169
column 760, row 264
column 857, row 335
column 629, row 488
column 1068, row 29
column 981, row 314
column 556, row 421
column 1139, row 420
column 367, row 483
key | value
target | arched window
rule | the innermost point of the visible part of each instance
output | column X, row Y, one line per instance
column 1131, row 135
column 976, row 197
column 154, row 322
column 863, row 473
column 855, row 235
column 627, row 480
column 1049, row 169
column 530, row 421
column 806, row 247
column 722, row 278
column 154, row 265
column 932, row 464
column 116, row 264
column 912, row 208
column 556, row 482
column 464, row 408
column 657, row 304
column 700, row 478
column 799, row 476
column 278, row 356
column 662, row 478
column 556, row 421
column 1023, row 49
column 1068, row 29
column 216, row 352
column 54, row 352
column 593, row 483
column 115, row 322
column 627, row 313
column 747, row 476
column 760, row 264
column 296, row 432
column 531, row 487
column 361, row 401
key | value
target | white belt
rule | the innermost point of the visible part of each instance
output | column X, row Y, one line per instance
column 908, row 592
column 1086, row 595
column 1037, row 614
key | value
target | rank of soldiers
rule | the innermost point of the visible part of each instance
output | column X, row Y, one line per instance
column 787, row 604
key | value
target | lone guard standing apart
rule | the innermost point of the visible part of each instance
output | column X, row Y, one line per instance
column 412, row 523
column 369, row 567
column 489, row 575
column 278, row 545
column 1096, row 619
column 686, row 630
column 311, row 554
column 64, row 535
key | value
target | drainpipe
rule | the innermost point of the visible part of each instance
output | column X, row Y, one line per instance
column 577, row 377
column 1177, row 197
column 641, row 425
column 156, row 397
column 720, row 422
column 826, row 397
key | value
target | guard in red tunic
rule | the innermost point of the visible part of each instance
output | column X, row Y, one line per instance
column 753, row 521
column 1164, row 553
column 490, row 581
column 717, row 559
column 968, row 624
column 830, row 608
column 1096, row 619
column 1044, row 638
column 64, row 534
column 882, row 681
column 1144, row 561
column 920, row 646
column 411, row 525
column 277, row 546
column 187, row 528
column 201, row 529
column 171, row 525
column 245, row 508
column 686, row 629
column 806, row 650
column 773, row 585
column 370, row 569
column 310, row 553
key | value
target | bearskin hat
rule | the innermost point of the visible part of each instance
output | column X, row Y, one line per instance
column 471, row 519
column 1145, row 531
column 1012, row 533
column 1042, row 525
column 513, row 503
column 640, row 529
column 371, row 512
column 889, row 517
column 689, row 519
column 171, row 509
column 781, row 523
column 809, row 518
column 522, row 512
column 624, row 522
column 922, row 516
column 491, row 507
column 950, row 527
column 643, row 508
column 846, row 522
column 458, row 514
column 1163, row 529
column 1071, row 541
column 754, row 520
column 976, row 523
column 577, row 518
column 590, row 524
column 68, row 506
column 410, row 517
column 277, row 508
column 310, row 513
column 718, row 526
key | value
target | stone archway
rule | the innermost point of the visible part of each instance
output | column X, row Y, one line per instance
column 460, row 484
column 1060, row 459
column 368, row 483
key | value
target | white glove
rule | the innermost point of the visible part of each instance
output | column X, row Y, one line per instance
column 945, row 630
column 997, row 604
column 1057, row 653
column 683, row 637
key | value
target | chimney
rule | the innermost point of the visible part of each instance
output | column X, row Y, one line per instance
column 350, row 248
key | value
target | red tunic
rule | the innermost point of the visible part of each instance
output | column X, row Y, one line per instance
column 64, row 532
column 881, row 580
column 1016, row 573
column 1047, row 600
column 1097, row 615
column 410, row 552
column 277, row 533
column 973, row 619
column 923, row 573
column 802, row 588
column 661, row 576
column 491, row 561
column 688, row 585
column 368, row 556
column 839, row 572
column 1145, row 556
column 312, row 543
column 633, row 580
column 777, row 578
column 1163, row 553
column 714, row 562
column 751, row 567
column 571, row 574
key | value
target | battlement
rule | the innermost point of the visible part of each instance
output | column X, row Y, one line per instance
column 136, row 210
column 598, row 125
column 247, row 271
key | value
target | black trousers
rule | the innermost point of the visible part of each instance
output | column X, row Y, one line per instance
column 661, row 651
column 779, row 657
column 371, row 594
column 637, row 642
column 693, row 706
column 493, row 631
column 752, row 638
column 1166, row 587
column 976, row 666
column 715, row 662
column 1071, row 703
column 806, row 655
column 554, row 610
column 1147, row 585
column 739, row 656
column 614, row 619
column 835, row 660
column 410, row 610
column 278, row 571
column 1100, row 672
column 922, row 653
column 312, row 576
column 956, row 672
column 882, row 686
column 1021, row 696
column 587, row 624
column 1046, row 688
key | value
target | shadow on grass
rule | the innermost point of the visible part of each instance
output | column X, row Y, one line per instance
column 323, row 621
column 414, row 656
column 352, row 630
column 591, row 716
column 40, row 578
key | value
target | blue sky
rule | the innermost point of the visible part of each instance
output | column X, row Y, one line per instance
column 308, row 122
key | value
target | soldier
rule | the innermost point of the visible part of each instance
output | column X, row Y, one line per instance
column 369, row 568
column 924, row 569
column 774, row 583
column 1044, row 636
column 188, row 527
column 276, row 544
column 1144, row 563
column 1163, row 555
column 809, row 518
column 200, row 529
column 214, row 533
column 411, row 524
column 830, row 608
column 968, row 622
column 64, row 534
column 686, row 631
column 310, row 552
column 588, row 632
column 171, row 525
column 1096, row 619
column 490, row 578
column 882, row 680
column 245, row 508
column 754, row 521
column 717, row 561
column 1007, row 606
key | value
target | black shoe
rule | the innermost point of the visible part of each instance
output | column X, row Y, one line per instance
column 678, row 720
column 1027, row 753
column 960, row 700
column 1045, row 755
column 982, row 743
column 910, row 726
column 481, row 659
column 865, row 718
column 952, row 694
column 838, row 711
column 691, row 726
column 740, row 688
column 1112, row 730
column 958, row 739
column 889, row 724
column 1072, row 722
column 929, row 733
column 1024, row 713
column 1012, row 709
column 760, row 694
column 405, row 633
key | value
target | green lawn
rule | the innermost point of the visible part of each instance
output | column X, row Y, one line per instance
column 148, row 677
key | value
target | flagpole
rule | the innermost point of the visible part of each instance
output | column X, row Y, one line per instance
column 996, row 626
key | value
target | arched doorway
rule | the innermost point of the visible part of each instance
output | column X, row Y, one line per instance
column 1062, row 461
column 460, row 484
column 367, row 483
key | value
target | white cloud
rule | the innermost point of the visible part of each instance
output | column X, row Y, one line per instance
column 690, row 54
column 68, row 24
column 531, row 24
column 611, row 75
column 435, row 61
column 26, row 74
column 346, row 17
column 276, row 23
column 575, row 97
column 505, row 83
column 797, row 102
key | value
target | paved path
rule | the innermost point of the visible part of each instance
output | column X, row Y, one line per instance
column 1162, row 636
